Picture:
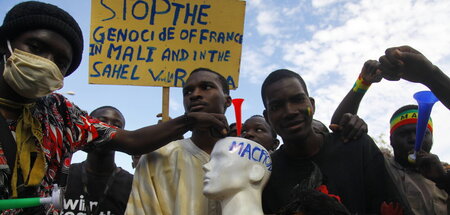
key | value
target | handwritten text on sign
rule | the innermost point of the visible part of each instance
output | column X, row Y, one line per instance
column 158, row 42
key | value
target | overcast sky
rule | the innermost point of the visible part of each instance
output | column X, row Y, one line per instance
column 325, row 41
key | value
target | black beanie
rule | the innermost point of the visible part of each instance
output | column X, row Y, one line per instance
column 32, row 15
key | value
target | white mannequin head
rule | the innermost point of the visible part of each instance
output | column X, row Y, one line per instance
column 239, row 168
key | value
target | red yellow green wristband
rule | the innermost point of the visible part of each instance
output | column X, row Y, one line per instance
column 360, row 85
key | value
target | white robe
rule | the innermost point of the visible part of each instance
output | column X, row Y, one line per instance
column 169, row 181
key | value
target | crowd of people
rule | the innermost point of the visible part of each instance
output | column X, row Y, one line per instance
column 314, row 171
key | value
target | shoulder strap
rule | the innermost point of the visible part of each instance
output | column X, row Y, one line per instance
column 105, row 192
column 84, row 181
column 8, row 143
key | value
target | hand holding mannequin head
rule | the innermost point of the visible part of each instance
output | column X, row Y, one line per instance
column 236, row 175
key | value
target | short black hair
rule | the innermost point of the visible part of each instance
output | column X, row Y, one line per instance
column 108, row 107
column 222, row 80
column 274, row 133
column 404, row 108
column 278, row 75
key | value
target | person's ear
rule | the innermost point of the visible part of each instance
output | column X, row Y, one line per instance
column 266, row 117
column 256, row 173
column 276, row 143
column 313, row 105
column 391, row 140
column 227, row 101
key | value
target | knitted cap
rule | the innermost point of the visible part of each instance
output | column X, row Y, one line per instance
column 32, row 15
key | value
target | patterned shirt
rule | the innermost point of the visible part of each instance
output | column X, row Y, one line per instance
column 66, row 129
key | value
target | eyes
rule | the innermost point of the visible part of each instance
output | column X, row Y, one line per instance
column 38, row 48
column 257, row 130
column 116, row 123
column 187, row 91
column 203, row 86
column 35, row 47
column 297, row 99
column 405, row 133
column 274, row 106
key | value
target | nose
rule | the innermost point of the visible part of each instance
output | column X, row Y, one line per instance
column 196, row 94
column 248, row 135
column 411, row 137
column 106, row 120
column 206, row 167
column 292, row 108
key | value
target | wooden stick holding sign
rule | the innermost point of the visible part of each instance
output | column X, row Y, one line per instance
column 165, row 103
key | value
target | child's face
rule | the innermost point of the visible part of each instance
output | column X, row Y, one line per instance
column 258, row 130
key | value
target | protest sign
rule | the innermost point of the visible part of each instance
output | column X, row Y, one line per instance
column 158, row 42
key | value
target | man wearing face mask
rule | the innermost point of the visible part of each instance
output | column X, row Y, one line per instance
column 40, row 44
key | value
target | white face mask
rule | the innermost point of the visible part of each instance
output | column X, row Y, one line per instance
column 31, row 76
